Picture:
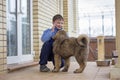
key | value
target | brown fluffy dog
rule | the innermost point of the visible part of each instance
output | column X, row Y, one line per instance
column 66, row 47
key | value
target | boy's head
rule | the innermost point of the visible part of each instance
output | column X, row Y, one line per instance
column 58, row 21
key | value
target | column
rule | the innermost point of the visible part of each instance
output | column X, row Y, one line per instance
column 101, row 51
column 3, row 38
column 117, row 7
column 115, row 71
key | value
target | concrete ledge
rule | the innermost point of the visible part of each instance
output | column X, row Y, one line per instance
column 115, row 74
column 103, row 63
column 13, row 67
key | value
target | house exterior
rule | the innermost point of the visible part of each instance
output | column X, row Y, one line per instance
column 23, row 21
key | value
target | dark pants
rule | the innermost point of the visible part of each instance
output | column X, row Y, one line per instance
column 47, row 54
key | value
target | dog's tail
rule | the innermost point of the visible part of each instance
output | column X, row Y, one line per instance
column 83, row 40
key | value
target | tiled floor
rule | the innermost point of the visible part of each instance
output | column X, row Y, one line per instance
column 91, row 72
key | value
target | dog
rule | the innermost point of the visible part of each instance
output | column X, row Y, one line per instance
column 65, row 47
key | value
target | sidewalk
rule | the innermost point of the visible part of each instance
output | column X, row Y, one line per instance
column 91, row 72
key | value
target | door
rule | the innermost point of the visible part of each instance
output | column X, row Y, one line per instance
column 19, row 31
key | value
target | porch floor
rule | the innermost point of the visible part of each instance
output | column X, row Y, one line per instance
column 91, row 72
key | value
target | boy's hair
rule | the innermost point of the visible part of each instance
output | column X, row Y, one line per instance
column 57, row 16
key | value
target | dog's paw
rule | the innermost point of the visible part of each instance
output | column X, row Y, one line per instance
column 55, row 70
column 78, row 71
column 64, row 70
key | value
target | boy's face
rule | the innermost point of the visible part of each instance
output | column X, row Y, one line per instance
column 58, row 23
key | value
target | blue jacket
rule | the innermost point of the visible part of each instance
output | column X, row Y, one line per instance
column 48, row 34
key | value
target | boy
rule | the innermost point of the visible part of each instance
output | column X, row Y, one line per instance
column 46, row 50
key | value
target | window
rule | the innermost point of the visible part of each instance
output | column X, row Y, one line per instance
column 96, row 17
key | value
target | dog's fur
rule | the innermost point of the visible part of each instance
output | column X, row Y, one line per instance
column 66, row 47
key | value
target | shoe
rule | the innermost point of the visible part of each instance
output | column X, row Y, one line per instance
column 44, row 68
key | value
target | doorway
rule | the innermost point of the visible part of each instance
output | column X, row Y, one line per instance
column 19, row 30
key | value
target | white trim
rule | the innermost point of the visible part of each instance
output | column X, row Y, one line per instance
column 31, row 21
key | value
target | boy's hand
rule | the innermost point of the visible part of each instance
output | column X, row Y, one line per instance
column 53, row 28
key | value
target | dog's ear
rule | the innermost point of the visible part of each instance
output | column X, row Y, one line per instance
column 62, row 37
column 83, row 40
column 61, row 34
column 54, row 37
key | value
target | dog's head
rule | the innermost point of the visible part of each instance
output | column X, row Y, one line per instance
column 83, row 40
column 60, row 35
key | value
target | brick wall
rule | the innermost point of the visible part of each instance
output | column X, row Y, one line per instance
column 43, row 11
column 3, row 38
column 65, row 14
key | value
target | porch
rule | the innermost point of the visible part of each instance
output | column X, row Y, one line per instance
column 91, row 72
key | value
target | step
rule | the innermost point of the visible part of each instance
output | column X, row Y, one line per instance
column 16, row 66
